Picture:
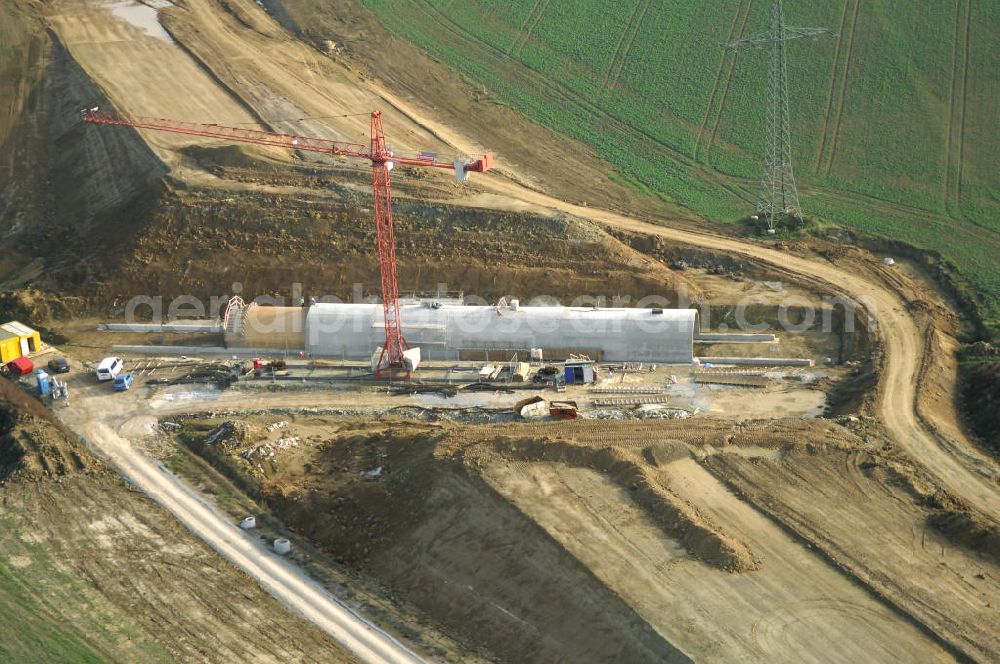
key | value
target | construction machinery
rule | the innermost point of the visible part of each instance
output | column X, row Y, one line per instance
column 391, row 359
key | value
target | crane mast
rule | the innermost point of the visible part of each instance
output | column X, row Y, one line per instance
column 382, row 159
column 392, row 352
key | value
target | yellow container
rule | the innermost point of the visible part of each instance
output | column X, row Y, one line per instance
column 10, row 347
column 17, row 340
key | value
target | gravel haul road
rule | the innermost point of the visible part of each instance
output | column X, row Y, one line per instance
column 275, row 575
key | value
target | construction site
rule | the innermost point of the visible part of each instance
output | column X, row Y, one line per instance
column 314, row 357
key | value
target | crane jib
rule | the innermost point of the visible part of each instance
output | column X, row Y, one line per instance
column 392, row 358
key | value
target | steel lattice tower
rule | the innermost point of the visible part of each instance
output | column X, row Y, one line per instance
column 779, row 198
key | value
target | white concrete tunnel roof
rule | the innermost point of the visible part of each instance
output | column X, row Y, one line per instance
column 442, row 330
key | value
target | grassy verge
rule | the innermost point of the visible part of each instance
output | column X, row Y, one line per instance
column 51, row 615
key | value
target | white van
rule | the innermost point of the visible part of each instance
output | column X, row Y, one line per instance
column 109, row 368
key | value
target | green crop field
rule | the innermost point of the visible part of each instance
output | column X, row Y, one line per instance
column 894, row 118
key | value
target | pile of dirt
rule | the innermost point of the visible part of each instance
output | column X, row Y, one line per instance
column 946, row 513
column 92, row 552
column 695, row 433
column 40, row 310
column 121, row 229
column 71, row 194
column 217, row 159
column 31, row 304
column 23, row 58
column 680, row 256
column 423, row 510
column 33, row 445
column 664, row 452
column 678, row 519
column 234, row 435
column 347, row 485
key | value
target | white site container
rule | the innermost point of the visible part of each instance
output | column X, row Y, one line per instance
column 282, row 546
column 248, row 523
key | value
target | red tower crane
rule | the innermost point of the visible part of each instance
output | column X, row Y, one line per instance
column 382, row 160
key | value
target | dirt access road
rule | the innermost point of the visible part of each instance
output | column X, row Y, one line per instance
column 89, row 415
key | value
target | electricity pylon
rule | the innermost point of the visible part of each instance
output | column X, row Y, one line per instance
column 779, row 198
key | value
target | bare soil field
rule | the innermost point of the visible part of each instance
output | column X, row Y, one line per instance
column 91, row 570
column 716, row 540
column 824, row 496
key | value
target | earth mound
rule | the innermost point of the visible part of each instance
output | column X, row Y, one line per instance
column 33, row 446
column 676, row 517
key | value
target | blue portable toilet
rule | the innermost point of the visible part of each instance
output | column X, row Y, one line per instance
column 578, row 372
column 44, row 384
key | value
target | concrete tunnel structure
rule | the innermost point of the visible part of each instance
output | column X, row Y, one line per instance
column 454, row 331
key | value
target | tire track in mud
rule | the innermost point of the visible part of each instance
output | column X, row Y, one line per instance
column 534, row 24
column 628, row 48
column 835, row 137
column 914, row 214
column 718, row 77
column 524, row 24
column 951, row 109
column 964, row 104
column 725, row 91
column 673, row 515
column 565, row 96
column 830, row 90
column 569, row 97
column 806, row 533
column 896, row 331
column 117, row 536
column 283, row 580
column 23, row 508
column 618, row 46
